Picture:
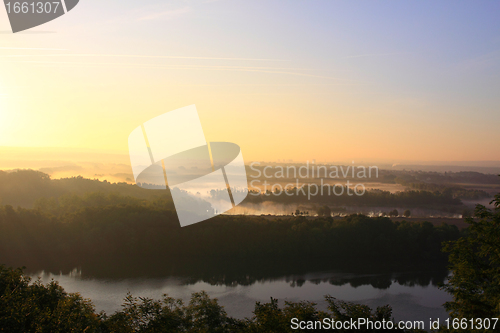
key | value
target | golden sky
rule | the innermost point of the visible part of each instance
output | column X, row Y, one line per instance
column 284, row 80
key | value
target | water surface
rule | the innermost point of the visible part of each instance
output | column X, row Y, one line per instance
column 413, row 295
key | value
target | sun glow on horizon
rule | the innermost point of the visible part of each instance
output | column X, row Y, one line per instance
column 285, row 93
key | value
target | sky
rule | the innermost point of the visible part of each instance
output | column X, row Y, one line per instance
column 299, row 80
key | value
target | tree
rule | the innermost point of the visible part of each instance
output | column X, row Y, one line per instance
column 35, row 307
column 206, row 315
column 324, row 211
column 407, row 213
column 475, row 263
column 347, row 311
column 394, row 213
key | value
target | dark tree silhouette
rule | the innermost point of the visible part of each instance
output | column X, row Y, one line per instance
column 475, row 263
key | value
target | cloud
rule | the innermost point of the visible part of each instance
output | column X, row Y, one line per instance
column 166, row 15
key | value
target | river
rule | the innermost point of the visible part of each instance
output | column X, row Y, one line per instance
column 413, row 294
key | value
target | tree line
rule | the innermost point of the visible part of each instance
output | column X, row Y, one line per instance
column 24, row 187
column 99, row 227
column 372, row 198
column 28, row 188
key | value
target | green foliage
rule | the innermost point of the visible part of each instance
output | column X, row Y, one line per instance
column 269, row 317
column 344, row 311
column 206, row 315
column 202, row 314
column 34, row 307
column 475, row 264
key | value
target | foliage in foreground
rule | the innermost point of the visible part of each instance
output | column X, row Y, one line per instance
column 475, row 263
column 35, row 307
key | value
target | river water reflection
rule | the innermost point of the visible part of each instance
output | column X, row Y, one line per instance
column 414, row 295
